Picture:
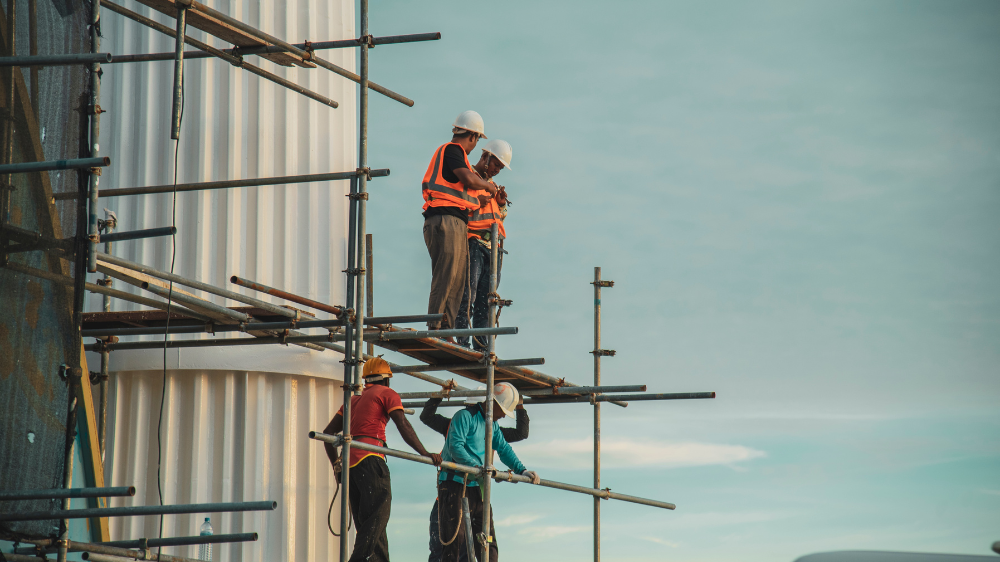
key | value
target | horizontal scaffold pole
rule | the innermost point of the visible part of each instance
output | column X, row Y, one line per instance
column 304, row 301
column 456, row 333
column 267, row 49
column 74, row 164
column 195, row 302
column 337, row 440
column 469, row 366
column 154, row 543
column 212, row 289
column 93, row 288
column 98, row 552
column 58, row 493
column 139, row 234
column 56, row 60
column 139, row 510
column 235, row 61
column 625, row 398
column 301, row 53
column 210, row 328
column 225, row 184
column 531, row 392
column 280, row 340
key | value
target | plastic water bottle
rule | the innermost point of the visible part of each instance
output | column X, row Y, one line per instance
column 205, row 550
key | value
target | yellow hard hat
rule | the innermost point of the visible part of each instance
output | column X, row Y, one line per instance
column 377, row 368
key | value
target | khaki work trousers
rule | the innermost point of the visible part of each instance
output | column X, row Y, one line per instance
column 446, row 239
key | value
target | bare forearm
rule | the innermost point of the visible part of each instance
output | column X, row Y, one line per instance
column 471, row 180
column 407, row 433
column 332, row 428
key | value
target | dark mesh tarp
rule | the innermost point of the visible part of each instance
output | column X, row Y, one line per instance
column 37, row 331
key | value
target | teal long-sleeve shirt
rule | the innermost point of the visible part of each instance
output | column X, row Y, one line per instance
column 466, row 444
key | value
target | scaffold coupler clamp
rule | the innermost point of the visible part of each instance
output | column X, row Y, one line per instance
column 607, row 284
column 604, row 352
column 495, row 299
column 607, row 494
column 368, row 40
column 308, row 48
column 499, row 476
column 366, row 171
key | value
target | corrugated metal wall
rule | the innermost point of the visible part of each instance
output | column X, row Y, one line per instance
column 228, row 436
column 236, row 125
column 236, row 421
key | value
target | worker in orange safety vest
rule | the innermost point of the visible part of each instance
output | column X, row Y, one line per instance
column 452, row 190
column 496, row 156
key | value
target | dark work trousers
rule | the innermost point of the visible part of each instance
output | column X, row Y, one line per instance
column 450, row 506
column 478, row 292
column 371, row 499
column 446, row 240
column 437, row 550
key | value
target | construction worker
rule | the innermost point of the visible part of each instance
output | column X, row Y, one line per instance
column 440, row 424
column 452, row 190
column 466, row 444
column 370, row 488
column 476, row 301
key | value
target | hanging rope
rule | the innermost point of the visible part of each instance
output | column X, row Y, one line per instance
column 329, row 513
column 458, row 526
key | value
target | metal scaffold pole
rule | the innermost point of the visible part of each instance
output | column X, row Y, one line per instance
column 95, row 133
column 487, row 536
column 597, row 413
column 598, row 352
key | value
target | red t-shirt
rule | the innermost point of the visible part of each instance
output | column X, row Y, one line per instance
column 369, row 414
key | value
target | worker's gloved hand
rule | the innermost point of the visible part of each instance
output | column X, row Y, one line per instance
column 436, row 458
column 535, row 478
column 501, row 196
column 337, row 470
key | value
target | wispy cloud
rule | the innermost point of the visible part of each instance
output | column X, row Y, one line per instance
column 618, row 454
column 522, row 519
column 664, row 542
column 546, row 532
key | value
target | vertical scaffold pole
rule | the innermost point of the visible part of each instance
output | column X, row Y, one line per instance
column 491, row 346
column 72, row 380
column 597, row 413
column 345, row 458
column 359, row 294
column 175, row 112
column 95, row 132
column 370, row 284
column 102, row 414
column 598, row 353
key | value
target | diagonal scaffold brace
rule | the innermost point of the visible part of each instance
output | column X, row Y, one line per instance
column 607, row 494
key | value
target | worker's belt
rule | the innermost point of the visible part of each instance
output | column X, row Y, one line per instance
column 381, row 442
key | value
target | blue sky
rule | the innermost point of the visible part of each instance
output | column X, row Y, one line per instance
column 797, row 202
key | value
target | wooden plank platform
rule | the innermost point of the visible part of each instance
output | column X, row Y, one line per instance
column 434, row 351
column 226, row 32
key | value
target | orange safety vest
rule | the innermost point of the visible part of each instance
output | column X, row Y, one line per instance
column 441, row 193
column 483, row 218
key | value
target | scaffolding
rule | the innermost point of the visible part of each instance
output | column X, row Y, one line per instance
column 352, row 325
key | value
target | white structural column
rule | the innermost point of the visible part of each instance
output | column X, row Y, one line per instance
column 236, row 419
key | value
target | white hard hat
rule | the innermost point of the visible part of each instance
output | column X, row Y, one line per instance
column 471, row 121
column 506, row 396
column 476, row 399
column 500, row 149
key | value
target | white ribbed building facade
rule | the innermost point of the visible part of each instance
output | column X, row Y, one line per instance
column 236, row 419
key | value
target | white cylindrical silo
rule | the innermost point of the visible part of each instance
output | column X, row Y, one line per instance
column 235, row 420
